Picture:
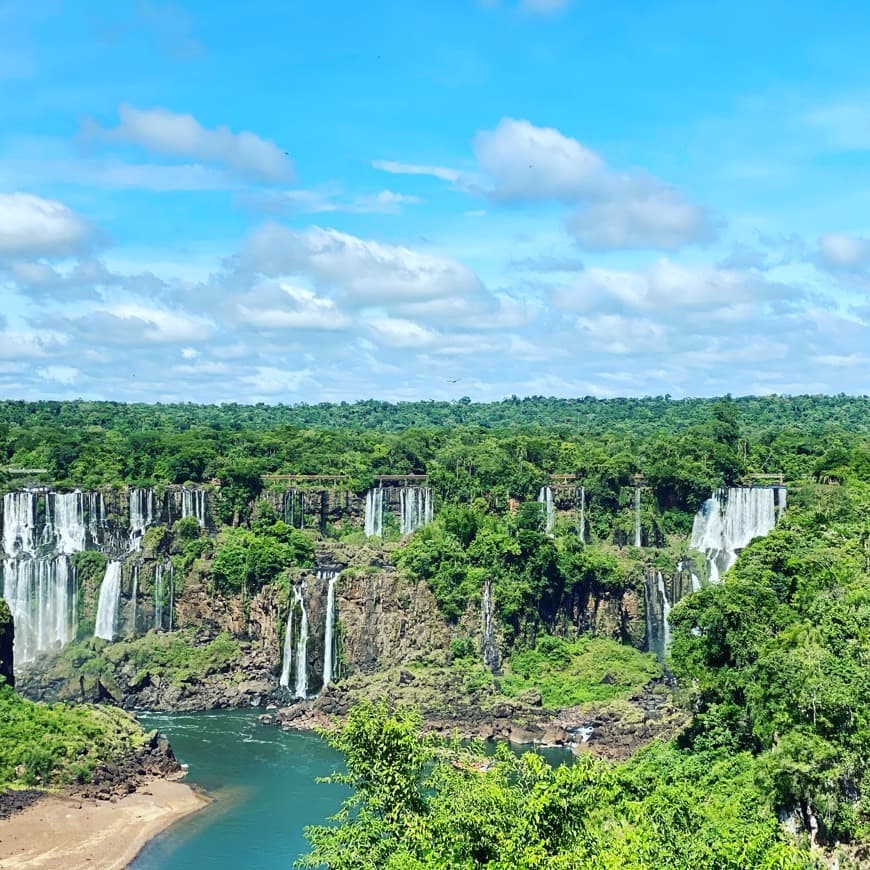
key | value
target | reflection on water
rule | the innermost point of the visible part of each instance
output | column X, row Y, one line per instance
column 262, row 783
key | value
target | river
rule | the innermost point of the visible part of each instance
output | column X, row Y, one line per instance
column 262, row 783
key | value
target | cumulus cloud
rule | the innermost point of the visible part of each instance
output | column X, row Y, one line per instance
column 31, row 226
column 175, row 135
column 364, row 272
column 528, row 163
column 665, row 285
column 839, row 251
column 283, row 306
column 643, row 216
column 617, row 210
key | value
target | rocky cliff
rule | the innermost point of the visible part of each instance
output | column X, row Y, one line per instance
column 7, row 639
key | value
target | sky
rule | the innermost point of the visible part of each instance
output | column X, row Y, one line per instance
column 313, row 200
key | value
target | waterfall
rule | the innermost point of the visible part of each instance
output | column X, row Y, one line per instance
column 158, row 596
column 487, row 614
column 141, row 515
column 287, row 660
column 696, row 583
column 96, row 515
column 38, row 579
column 42, row 598
column 728, row 521
column 666, row 612
column 332, row 576
column 637, row 537
column 374, row 519
column 19, row 523
column 135, row 572
column 65, row 521
column 107, row 608
column 415, row 508
column 545, row 497
column 583, row 513
column 171, row 593
column 294, row 508
column 780, row 498
column 193, row 504
column 301, row 648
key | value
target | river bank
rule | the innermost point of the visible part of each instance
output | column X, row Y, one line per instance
column 77, row 832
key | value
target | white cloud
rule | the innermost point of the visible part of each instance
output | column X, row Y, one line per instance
column 61, row 374
column 396, row 168
column 618, row 210
column 399, row 333
column 175, row 135
column 33, row 226
column 159, row 325
column 666, row 286
column 365, row 272
column 324, row 201
column 17, row 343
column 654, row 218
column 289, row 307
column 533, row 163
column 842, row 251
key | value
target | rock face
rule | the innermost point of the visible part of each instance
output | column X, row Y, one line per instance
column 7, row 638
column 124, row 775
column 386, row 619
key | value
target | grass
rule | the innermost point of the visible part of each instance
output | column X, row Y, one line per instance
column 589, row 669
column 174, row 656
column 48, row 745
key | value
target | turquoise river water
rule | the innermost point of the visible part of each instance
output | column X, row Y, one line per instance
column 262, row 784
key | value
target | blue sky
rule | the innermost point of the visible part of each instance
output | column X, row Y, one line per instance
column 310, row 201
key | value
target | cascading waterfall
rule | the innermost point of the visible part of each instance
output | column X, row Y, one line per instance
column 41, row 596
column 728, row 521
column 141, row 515
column 415, row 508
column 583, row 514
column 158, row 596
column 65, row 522
column 171, row 593
column 193, row 504
column 107, row 607
column 164, row 576
column 287, row 660
column 19, row 523
column 545, row 497
column 374, row 518
column 637, row 536
column 487, row 614
column 96, row 516
column 301, row 647
column 666, row 612
column 294, row 508
column 38, row 579
column 331, row 577
column 134, row 599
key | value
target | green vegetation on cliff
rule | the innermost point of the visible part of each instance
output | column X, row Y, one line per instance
column 58, row 744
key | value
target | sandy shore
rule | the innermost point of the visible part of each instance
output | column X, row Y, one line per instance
column 73, row 833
